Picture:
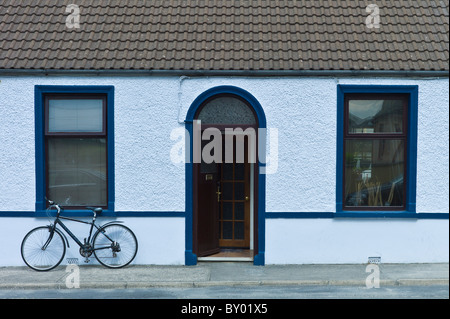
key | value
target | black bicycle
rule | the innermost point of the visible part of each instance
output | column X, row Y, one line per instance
column 113, row 244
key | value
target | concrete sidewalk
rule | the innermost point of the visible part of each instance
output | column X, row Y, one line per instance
column 224, row 274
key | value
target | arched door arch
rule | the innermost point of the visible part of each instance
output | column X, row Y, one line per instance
column 225, row 194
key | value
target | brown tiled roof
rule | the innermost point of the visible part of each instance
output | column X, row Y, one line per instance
column 224, row 35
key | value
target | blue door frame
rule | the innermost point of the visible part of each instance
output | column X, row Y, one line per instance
column 190, row 256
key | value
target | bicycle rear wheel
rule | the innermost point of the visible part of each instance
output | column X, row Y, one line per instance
column 115, row 245
column 41, row 258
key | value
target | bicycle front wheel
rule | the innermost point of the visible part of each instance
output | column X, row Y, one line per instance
column 115, row 245
column 41, row 250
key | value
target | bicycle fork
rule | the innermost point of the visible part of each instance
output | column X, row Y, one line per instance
column 50, row 237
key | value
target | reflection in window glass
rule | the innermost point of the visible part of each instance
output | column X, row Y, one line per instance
column 77, row 171
column 374, row 172
column 375, row 116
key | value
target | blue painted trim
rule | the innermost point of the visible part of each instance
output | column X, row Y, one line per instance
column 18, row 214
column 391, row 214
column 340, row 147
column 356, row 214
column 74, row 213
column 268, row 215
column 299, row 215
column 150, row 214
column 228, row 89
column 88, row 213
column 411, row 165
column 190, row 257
column 39, row 91
column 259, row 259
column 39, row 146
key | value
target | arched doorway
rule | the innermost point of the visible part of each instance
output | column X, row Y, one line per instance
column 225, row 193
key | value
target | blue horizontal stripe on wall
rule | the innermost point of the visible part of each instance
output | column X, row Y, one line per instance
column 271, row 215
column 299, row 215
column 355, row 214
column 87, row 213
column 150, row 214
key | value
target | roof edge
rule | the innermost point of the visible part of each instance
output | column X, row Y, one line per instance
column 249, row 73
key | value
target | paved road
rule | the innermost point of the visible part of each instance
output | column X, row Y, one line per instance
column 229, row 293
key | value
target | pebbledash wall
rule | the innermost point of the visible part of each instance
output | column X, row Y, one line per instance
column 302, row 224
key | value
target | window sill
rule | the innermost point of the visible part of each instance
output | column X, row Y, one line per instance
column 75, row 213
column 388, row 214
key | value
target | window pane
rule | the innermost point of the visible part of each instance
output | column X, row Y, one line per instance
column 375, row 116
column 77, row 171
column 75, row 115
column 374, row 172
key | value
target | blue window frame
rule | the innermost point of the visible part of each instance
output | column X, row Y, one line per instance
column 403, row 132
column 105, row 134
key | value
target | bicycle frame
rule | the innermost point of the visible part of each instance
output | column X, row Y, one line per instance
column 67, row 230
column 75, row 238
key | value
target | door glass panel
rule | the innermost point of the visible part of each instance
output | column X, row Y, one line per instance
column 227, row 230
column 227, row 191
column 239, row 171
column 239, row 230
column 238, row 191
column 227, row 212
column 227, row 171
column 239, row 211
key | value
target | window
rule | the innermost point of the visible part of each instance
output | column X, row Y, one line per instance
column 374, row 148
column 377, row 148
column 75, row 150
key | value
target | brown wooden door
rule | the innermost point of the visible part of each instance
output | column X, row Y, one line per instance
column 223, row 197
column 234, row 205
column 208, row 208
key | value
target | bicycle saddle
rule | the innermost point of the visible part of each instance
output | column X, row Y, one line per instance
column 96, row 210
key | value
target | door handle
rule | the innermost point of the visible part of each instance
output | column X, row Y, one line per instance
column 247, row 198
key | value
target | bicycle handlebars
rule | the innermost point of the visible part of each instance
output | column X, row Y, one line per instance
column 50, row 201
column 96, row 210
